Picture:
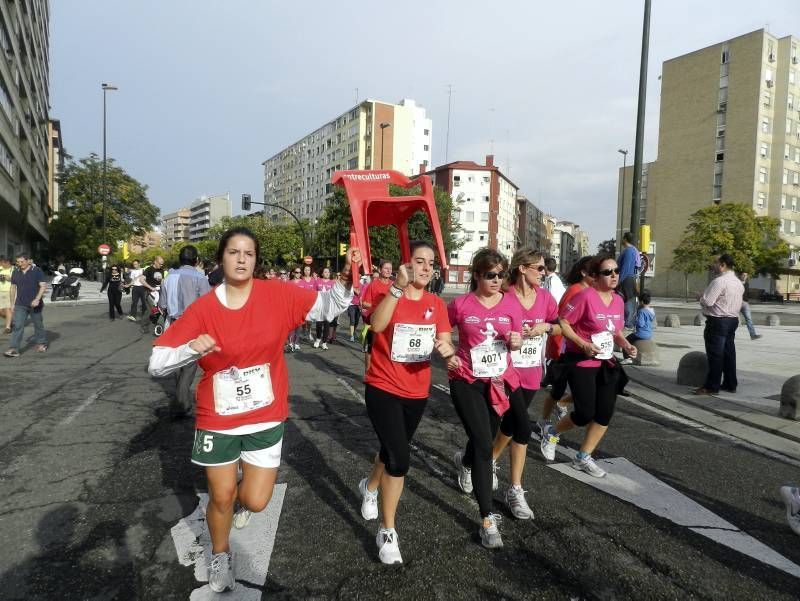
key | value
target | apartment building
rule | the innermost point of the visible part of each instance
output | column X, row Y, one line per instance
column 55, row 165
column 24, row 126
column 371, row 135
column 176, row 226
column 485, row 204
column 564, row 243
column 729, row 131
column 531, row 230
column 206, row 212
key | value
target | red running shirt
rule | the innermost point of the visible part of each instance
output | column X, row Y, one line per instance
column 373, row 294
column 406, row 380
column 251, row 335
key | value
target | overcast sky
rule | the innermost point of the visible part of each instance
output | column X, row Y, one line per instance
column 210, row 89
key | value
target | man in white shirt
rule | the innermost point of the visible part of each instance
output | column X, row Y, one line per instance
column 552, row 281
column 137, row 291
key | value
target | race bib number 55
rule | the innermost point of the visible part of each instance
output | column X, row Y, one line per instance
column 489, row 359
column 241, row 390
column 412, row 343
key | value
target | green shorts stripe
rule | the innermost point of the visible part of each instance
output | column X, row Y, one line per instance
column 214, row 448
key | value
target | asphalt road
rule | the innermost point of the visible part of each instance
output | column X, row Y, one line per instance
column 93, row 476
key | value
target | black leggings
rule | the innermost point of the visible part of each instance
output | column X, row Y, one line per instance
column 395, row 420
column 515, row 422
column 114, row 301
column 480, row 423
column 594, row 394
column 324, row 330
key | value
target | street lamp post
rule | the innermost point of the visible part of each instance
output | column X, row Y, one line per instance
column 105, row 87
column 624, row 153
column 383, row 126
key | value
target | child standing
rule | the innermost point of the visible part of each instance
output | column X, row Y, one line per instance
column 645, row 317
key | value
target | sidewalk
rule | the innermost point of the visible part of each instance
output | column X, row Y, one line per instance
column 752, row 412
column 90, row 294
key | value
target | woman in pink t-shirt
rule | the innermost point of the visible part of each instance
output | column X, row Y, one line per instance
column 481, row 376
column 539, row 314
column 307, row 281
column 592, row 322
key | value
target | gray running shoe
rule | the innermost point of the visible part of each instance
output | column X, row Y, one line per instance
column 464, row 476
column 495, row 483
column 369, row 501
column 241, row 518
column 388, row 546
column 589, row 466
column 490, row 535
column 549, row 443
column 220, row 573
column 515, row 498
column 791, row 498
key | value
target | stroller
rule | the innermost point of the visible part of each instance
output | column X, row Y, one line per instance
column 158, row 316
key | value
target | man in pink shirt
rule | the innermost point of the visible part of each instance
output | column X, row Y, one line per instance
column 721, row 303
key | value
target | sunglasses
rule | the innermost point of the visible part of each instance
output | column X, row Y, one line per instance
column 539, row 268
column 609, row 271
column 492, row 275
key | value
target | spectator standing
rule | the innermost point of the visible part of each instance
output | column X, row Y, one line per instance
column 552, row 281
column 28, row 285
column 745, row 310
column 721, row 303
column 628, row 261
column 5, row 293
column 180, row 289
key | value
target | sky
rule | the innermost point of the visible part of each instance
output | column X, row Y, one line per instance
column 209, row 89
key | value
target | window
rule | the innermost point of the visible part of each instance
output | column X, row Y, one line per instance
column 785, row 176
column 721, row 119
column 717, row 193
column 791, row 76
column 426, row 148
column 6, row 159
column 768, row 75
column 795, row 178
column 726, row 54
column 723, row 95
column 788, row 126
column 796, row 154
column 485, row 199
column 767, row 98
column 765, row 124
column 456, row 180
column 484, row 216
column 470, row 179
column 486, row 179
column 787, row 151
column 470, row 216
column 764, row 150
column 762, row 199
column 719, row 157
column 782, row 226
column 426, row 132
column 762, row 175
column 457, row 214
column 794, row 204
column 783, row 201
column 720, row 145
column 790, row 102
column 469, row 235
column 792, row 226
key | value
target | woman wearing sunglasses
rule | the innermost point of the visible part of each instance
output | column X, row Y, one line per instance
column 489, row 323
column 113, row 283
column 408, row 325
column 592, row 322
column 539, row 314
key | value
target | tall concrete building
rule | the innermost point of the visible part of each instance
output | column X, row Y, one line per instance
column 24, row 125
column 531, row 230
column 567, row 240
column 729, row 132
column 371, row 135
column 176, row 226
column 206, row 212
column 55, row 165
column 485, row 204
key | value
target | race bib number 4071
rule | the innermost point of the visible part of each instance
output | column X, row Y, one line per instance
column 241, row 390
column 489, row 359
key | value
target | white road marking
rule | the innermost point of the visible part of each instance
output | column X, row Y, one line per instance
column 252, row 547
column 82, row 407
column 628, row 482
column 356, row 395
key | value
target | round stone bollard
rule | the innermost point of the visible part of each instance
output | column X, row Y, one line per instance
column 699, row 319
column 790, row 398
column 692, row 369
column 773, row 320
column 647, row 352
column 672, row 321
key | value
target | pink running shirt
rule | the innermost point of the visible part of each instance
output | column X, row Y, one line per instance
column 544, row 309
column 588, row 316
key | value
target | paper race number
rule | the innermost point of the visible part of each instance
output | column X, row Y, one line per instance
column 605, row 342
column 241, row 390
column 530, row 355
column 412, row 343
column 489, row 359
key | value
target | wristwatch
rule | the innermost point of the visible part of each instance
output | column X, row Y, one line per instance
column 395, row 291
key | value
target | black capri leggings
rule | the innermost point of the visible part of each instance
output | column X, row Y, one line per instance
column 594, row 394
column 516, row 423
column 480, row 423
column 395, row 420
column 354, row 313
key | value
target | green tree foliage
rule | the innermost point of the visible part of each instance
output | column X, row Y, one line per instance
column 753, row 241
column 76, row 231
column 280, row 244
column 607, row 247
column 334, row 227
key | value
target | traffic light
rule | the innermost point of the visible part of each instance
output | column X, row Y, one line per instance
column 342, row 249
column 246, row 206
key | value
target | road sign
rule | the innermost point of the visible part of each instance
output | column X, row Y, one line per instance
column 104, row 249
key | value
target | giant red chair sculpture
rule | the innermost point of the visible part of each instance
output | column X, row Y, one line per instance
column 370, row 204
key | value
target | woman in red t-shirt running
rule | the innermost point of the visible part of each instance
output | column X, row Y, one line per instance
column 242, row 398
column 409, row 323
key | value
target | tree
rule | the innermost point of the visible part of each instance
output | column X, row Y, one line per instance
column 607, row 247
column 753, row 241
column 76, row 230
column 334, row 226
column 280, row 244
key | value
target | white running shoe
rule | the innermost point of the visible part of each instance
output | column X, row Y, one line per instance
column 549, row 443
column 791, row 498
column 515, row 498
column 626, row 361
column 352, row 338
column 369, row 501
column 241, row 518
column 495, row 483
column 220, row 573
column 316, row 343
column 490, row 535
column 297, row 346
column 464, row 476
column 388, row 546
column 589, row 466
column 324, row 346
